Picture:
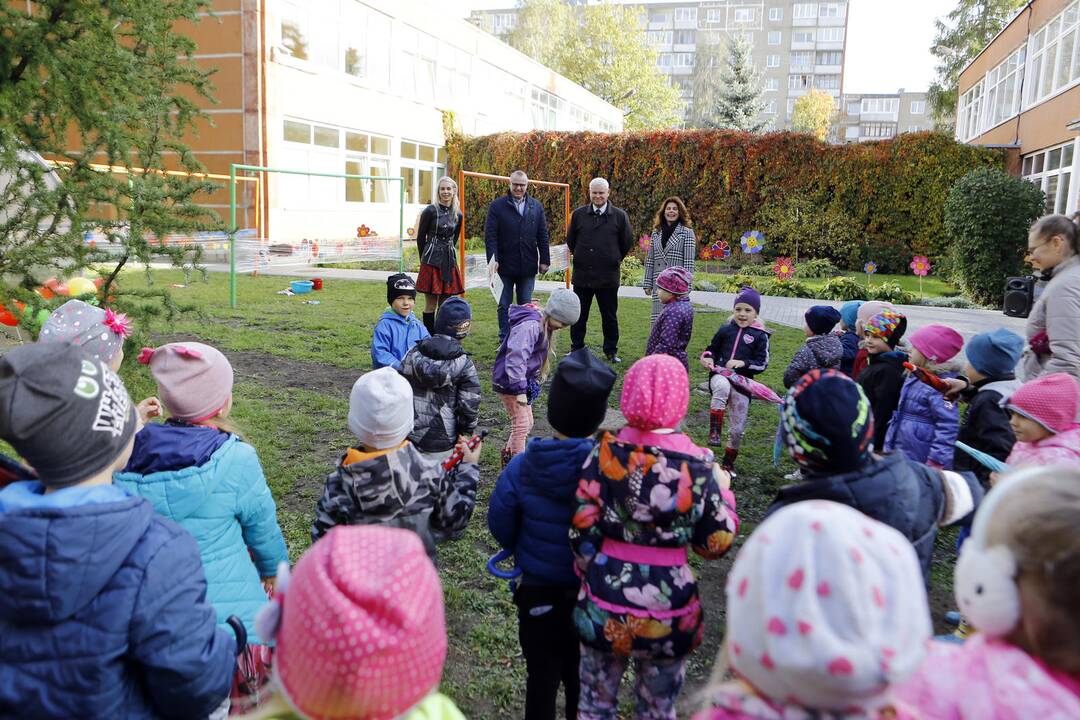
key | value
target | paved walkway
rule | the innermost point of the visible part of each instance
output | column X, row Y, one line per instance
column 778, row 310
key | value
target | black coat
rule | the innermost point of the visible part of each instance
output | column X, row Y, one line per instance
column 985, row 426
column 598, row 245
column 882, row 381
column 750, row 344
column 517, row 242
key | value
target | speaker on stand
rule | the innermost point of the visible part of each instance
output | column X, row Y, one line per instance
column 1019, row 296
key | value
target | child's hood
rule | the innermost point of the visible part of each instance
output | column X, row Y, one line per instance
column 431, row 362
column 381, row 467
column 758, row 324
column 521, row 313
column 390, row 314
column 552, row 467
column 1068, row 441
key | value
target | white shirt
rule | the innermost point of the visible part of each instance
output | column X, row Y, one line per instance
column 599, row 210
column 519, row 204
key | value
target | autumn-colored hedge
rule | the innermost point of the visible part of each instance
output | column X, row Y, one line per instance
column 889, row 193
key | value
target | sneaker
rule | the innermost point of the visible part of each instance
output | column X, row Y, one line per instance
column 794, row 477
column 614, row 359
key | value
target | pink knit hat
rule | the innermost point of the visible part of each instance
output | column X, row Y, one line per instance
column 938, row 343
column 361, row 631
column 868, row 310
column 1051, row 400
column 195, row 381
column 676, row 280
column 655, row 393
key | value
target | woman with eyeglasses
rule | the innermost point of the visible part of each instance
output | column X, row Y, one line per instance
column 1053, row 327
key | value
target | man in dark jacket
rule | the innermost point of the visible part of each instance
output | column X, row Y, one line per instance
column 599, row 238
column 516, row 236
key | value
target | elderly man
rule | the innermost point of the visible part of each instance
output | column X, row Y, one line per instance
column 599, row 238
column 516, row 235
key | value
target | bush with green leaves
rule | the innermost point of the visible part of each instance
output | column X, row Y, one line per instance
column 816, row 269
column 786, row 288
column 842, row 288
column 705, row 286
column 891, row 292
column 987, row 216
column 631, row 270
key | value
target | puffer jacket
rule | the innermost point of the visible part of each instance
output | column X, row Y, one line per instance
column 446, row 393
column 521, row 355
column 394, row 336
column 820, row 351
column 924, row 425
column 103, row 610
column 850, row 341
column 882, row 381
column 985, row 426
column 634, row 503
column 530, row 509
column 399, row 487
column 1057, row 314
column 905, row 495
column 749, row 344
column 211, row 483
column 1063, row 447
column 672, row 330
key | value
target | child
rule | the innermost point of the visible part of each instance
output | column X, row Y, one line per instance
column 925, row 424
column 1018, row 581
column 446, row 388
column 991, row 362
column 103, row 610
column 99, row 333
column 827, row 428
column 883, row 378
column 644, row 497
column 360, row 631
column 1042, row 413
column 529, row 515
column 741, row 345
column 672, row 330
column 866, row 311
column 849, row 338
column 398, row 329
column 521, row 363
column 386, row 480
column 197, row 471
column 822, row 349
column 825, row 616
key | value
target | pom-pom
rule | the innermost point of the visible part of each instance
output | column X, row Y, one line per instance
column 145, row 354
column 118, row 323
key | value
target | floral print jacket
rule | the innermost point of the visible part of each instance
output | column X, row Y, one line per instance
column 658, row 502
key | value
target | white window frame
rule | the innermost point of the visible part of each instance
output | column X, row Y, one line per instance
column 773, row 84
column 829, row 55
column 776, row 37
column 830, row 10
column 772, row 61
column 802, row 59
column 851, row 132
column 827, row 82
column 716, row 15
column 830, row 34
column 880, row 105
column 804, row 11
column 857, row 105
column 769, row 107
column 689, row 14
column 1046, row 60
column 918, row 107
column 796, row 32
column 800, row 81
column 913, row 128
column 743, row 15
column 418, row 165
column 1035, row 169
column 776, row 14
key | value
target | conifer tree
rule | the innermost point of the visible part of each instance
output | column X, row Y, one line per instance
column 738, row 102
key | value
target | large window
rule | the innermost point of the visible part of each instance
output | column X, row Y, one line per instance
column 802, row 58
column 770, row 107
column 829, row 57
column 547, row 107
column 775, row 37
column 802, row 36
column 880, row 105
column 685, row 14
column 772, row 61
column 918, row 107
column 776, row 14
column 831, row 10
column 320, row 147
column 1001, row 96
column 800, row 82
column 309, row 31
column 854, row 107
column 684, row 37
column 421, row 165
column 659, row 37
column 715, row 15
column 805, row 11
column 1051, row 171
column 744, row 15
column 1053, row 56
column 660, row 17
column 773, row 84
column 683, row 60
column 830, row 34
column 967, row 117
column 878, row 130
column 415, row 59
column 827, row 82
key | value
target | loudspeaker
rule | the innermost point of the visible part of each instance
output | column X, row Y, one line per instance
column 1019, row 296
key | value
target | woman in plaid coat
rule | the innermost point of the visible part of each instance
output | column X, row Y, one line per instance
column 673, row 244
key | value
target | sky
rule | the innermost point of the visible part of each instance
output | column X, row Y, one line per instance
column 888, row 42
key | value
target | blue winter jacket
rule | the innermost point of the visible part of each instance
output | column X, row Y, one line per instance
column 850, row 341
column 103, row 610
column 517, row 242
column 530, row 509
column 219, row 495
column 924, row 425
column 393, row 337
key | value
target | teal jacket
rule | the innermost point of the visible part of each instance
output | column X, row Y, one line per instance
column 224, row 502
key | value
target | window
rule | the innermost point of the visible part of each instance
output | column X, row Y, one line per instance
column 684, row 37
column 318, row 147
column 770, row 107
column 830, row 34
column 659, row 18
column 663, row 60
column 714, row 15
column 790, row 106
column 295, row 35
column 800, row 82
column 327, row 136
column 805, row 11
column 422, row 165
column 802, row 58
column 913, row 128
column 880, row 105
column 546, row 108
column 297, row 131
column 1051, row 171
column 503, row 22
column 878, row 131
column 772, row 61
column 1053, row 61
column 854, row 108
column 967, row 117
column 773, row 84
column 776, row 14
column 918, row 107
column 775, row 37
column 851, row 132
column 744, row 15
column 831, row 10
column 827, row 82
column 659, row 37
column 685, row 14
column 682, row 60
column 829, row 57
column 802, row 36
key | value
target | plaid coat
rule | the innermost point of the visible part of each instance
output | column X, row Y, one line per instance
column 681, row 251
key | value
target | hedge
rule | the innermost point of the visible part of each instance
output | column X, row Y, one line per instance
column 890, row 193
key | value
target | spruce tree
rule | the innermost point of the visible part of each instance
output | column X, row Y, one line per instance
column 738, row 103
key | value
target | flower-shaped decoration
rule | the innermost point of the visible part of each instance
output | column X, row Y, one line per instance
column 412, row 232
column 920, row 265
column 721, row 249
column 870, row 268
column 752, row 242
column 364, row 231
column 784, row 268
column 644, row 241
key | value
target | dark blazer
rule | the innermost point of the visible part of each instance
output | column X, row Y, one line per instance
column 598, row 245
column 516, row 241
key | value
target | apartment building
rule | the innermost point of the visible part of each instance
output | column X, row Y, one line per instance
column 1023, row 91
column 865, row 117
column 796, row 45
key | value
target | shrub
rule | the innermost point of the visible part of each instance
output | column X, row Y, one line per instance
column 816, row 268
column 631, row 271
column 842, row 288
column 758, row 270
column 948, row 302
column 787, row 288
column 891, row 292
column 704, row 285
column 987, row 216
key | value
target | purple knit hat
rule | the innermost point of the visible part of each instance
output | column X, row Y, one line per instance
column 751, row 297
column 676, row 280
column 194, row 380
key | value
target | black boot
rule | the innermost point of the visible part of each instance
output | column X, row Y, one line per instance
column 429, row 322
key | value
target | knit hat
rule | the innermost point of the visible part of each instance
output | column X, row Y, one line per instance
column 359, row 625
column 995, row 354
column 564, row 306
column 826, row 609
column 1050, row 400
column 750, row 296
column 399, row 284
column 849, row 313
column 889, row 326
column 100, row 333
column 454, row 318
column 195, row 381
column 868, row 310
column 676, row 280
column 655, row 393
column 381, row 409
column 826, row 423
column 937, row 343
column 821, row 319
column 68, row 416
column 578, row 400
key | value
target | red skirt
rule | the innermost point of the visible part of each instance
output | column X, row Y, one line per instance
column 429, row 281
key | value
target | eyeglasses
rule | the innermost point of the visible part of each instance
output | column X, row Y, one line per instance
column 1033, row 249
column 519, row 185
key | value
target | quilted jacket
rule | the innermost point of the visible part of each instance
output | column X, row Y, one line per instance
column 400, row 488
column 820, row 351
column 672, row 330
column 103, row 610
column 985, row 426
column 446, row 393
column 221, row 499
column 749, row 344
column 924, row 425
column 850, row 341
column 521, row 355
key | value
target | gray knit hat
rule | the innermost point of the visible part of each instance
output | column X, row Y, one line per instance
column 67, row 415
column 564, row 306
column 99, row 332
column 381, row 409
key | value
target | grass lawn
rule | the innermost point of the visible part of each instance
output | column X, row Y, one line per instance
column 295, row 364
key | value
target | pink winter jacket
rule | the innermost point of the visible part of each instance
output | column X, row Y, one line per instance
column 1061, row 447
column 735, row 701
column 989, row 680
